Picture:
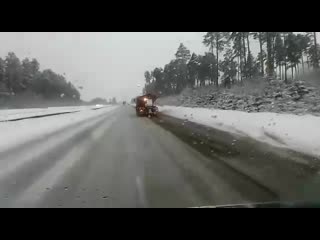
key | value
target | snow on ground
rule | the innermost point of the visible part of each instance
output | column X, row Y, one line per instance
column 19, row 132
column 300, row 133
column 12, row 114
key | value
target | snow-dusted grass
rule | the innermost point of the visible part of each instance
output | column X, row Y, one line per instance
column 18, row 132
column 300, row 133
column 12, row 114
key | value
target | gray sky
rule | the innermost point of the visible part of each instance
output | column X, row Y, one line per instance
column 105, row 64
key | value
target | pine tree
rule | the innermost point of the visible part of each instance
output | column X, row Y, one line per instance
column 314, row 50
column 159, row 84
column 170, row 77
column 2, row 71
column 207, row 67
column 147, row 76
column 250, row 59
column 13, row 73
column 3, row 85
column 304, row 42
column 182, row 57
column 316, row 57
column 216, row 40
column 183, row 54
column 280, row 53
column 293, row 51
column 193, row 66
column 229, row 66
column 262, row 54
column 270, row 59
column 236, row 37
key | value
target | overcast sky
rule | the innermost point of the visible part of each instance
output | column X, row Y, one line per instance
column 105, row 64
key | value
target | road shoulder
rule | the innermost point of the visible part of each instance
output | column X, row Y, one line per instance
column 284, row 172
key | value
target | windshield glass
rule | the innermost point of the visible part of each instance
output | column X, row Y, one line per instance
column 159, row 119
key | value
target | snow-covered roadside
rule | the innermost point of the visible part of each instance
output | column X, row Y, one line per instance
column 15, row 133
column 12, row 114
column 299, row 133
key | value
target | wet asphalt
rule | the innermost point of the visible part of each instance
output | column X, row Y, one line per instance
column 120, row 160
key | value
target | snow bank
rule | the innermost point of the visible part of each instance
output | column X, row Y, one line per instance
column 18, row 132
column 300, row 133
column 12, row 114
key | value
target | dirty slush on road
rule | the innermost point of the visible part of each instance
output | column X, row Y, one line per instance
column 282, row 174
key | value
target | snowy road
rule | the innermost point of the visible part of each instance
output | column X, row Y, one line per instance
column 115, row 159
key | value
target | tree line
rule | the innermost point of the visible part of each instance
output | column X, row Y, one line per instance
column 229, row 60
column 17, row 77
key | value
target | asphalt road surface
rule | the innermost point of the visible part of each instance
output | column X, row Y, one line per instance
column 121, row 160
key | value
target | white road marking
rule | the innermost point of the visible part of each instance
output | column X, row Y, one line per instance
column 141, row 192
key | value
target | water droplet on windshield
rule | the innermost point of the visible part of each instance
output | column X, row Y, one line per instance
column 201, row 143
column 65, row 188
column 194, row 143
column 47, row 189
column 105, row 197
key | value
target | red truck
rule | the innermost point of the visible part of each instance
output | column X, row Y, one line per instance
column 145, row 105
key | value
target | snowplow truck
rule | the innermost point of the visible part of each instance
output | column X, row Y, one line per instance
column 145, row 105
